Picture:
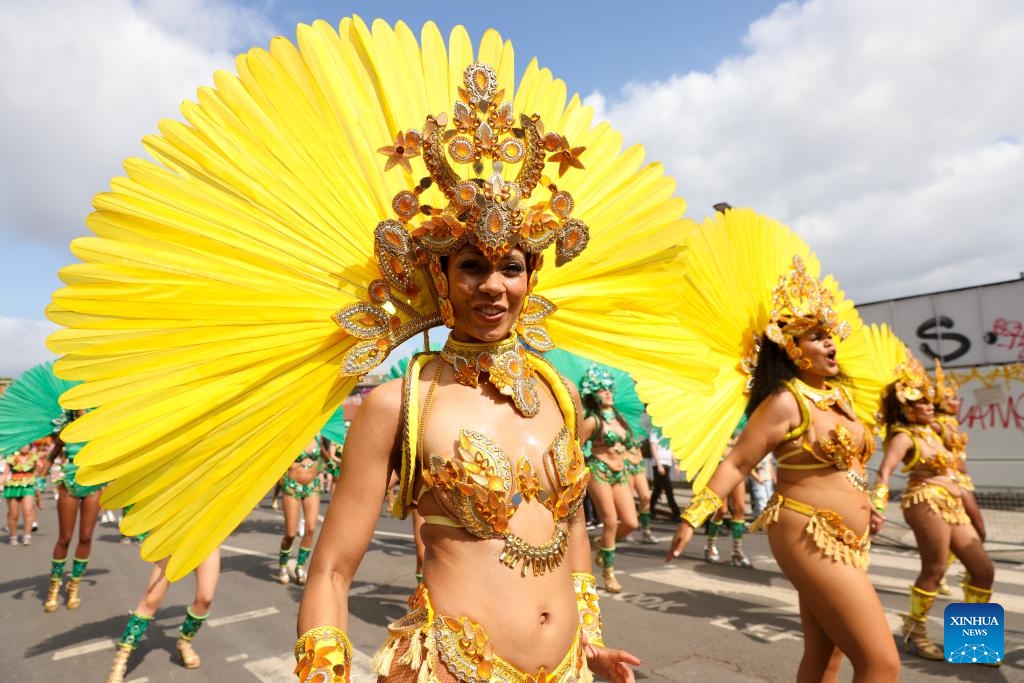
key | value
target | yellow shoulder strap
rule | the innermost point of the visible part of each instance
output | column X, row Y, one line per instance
column 805, row 414
column 410, row 433
column 560, row 388
column 913, row 440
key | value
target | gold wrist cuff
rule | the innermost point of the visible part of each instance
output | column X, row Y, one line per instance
column 586, row 602
column 701, row 507
column 323, row 654
column 879, row 497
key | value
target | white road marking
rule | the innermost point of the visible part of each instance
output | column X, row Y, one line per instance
column 232, row 618
column 281, row 669
column 246, row 551
column 84, row 649
column 243, row 616
column 237, row 658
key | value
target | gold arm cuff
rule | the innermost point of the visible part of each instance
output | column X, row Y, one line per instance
column 879, row 497
column 324, row 654
column 586, row 602
column 701, row 507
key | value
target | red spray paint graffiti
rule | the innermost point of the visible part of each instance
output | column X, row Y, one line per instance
column 1007, row 334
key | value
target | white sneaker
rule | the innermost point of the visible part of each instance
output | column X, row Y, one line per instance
column 647, row 537
column 14, row 540
column 26, row 539
column 300, row 576
column 283, row 575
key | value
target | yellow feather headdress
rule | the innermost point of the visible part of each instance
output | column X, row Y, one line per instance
column 799, row 304
column 946, row 388
column 230, row 296
column 912, row 384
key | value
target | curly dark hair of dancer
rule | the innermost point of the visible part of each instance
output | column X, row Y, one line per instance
column 892, row 409
column 774, row 368
column 592, row 406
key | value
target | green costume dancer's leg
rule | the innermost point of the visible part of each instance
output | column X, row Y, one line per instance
column 52, row 601
column 738, row 558
column 711, row 548
column 189, row 627
column 78, row 568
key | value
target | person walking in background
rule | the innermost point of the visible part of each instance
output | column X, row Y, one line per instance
column 664, row 464
column 762, row 484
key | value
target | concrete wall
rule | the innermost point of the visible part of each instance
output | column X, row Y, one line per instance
column 979, row 335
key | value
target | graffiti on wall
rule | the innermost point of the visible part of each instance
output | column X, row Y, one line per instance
column 1007, row 334
column 998, row 402
column 927, row 330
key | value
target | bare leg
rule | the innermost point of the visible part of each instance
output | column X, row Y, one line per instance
column 12, row 519
column 292, row 507
column 821, row 656
column 90, row 508
column 842, row 603
column 67, row 515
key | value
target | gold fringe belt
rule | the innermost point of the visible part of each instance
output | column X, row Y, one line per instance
column 826, row 527
column 463, row 650
column 939, row 500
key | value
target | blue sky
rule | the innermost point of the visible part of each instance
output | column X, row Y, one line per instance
column 886, row 132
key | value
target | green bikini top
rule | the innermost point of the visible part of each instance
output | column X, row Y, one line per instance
column 608, row 436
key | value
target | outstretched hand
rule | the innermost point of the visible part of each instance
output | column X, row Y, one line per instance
column 611, row 665
column 877, row 521
column 683, row 535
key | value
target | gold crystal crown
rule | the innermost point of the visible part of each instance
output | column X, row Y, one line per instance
column 492, row 213
column 912, row 383
column 946, row 388
column 799, row 304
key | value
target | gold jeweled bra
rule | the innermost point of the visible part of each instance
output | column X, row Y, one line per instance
column 840, row 449
column 505, row 365
column 480, row 493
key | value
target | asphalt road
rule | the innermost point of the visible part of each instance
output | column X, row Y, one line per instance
column 688, row 621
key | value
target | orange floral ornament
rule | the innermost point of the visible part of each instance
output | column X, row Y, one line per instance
column 323, row 655
column 567, row 157
column 407, row 146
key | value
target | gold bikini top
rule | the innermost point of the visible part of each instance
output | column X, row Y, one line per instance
column 841, row 449
column 480, row 488
column 953, row 439
column 940, row 462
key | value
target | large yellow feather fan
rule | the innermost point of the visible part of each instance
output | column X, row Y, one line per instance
column 869, row 358
column 200, row 318
column 733, row 262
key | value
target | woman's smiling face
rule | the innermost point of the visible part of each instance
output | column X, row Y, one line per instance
column 486, row 298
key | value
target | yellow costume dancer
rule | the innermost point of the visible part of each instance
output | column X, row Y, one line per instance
column 298, row 227
column 776, row 330
column 947, row 406
column 932, row 502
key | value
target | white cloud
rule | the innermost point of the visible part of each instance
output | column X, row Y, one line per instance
column 23, row 344
column 888, row 133
column 83, row 82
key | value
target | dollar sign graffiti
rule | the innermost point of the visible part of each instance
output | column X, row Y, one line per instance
column 926, row 330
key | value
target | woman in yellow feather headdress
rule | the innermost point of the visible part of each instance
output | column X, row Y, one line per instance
column 297, row 229
column 819, row 519
column 947, row 402
column 932, row 502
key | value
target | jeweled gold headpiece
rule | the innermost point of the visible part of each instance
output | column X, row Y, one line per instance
column 799, row 304
column 912, row 383
column 492, row 213
column 946, row 388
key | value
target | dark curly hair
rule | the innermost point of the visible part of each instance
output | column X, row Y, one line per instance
column 892, row 409
column 774, row 368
